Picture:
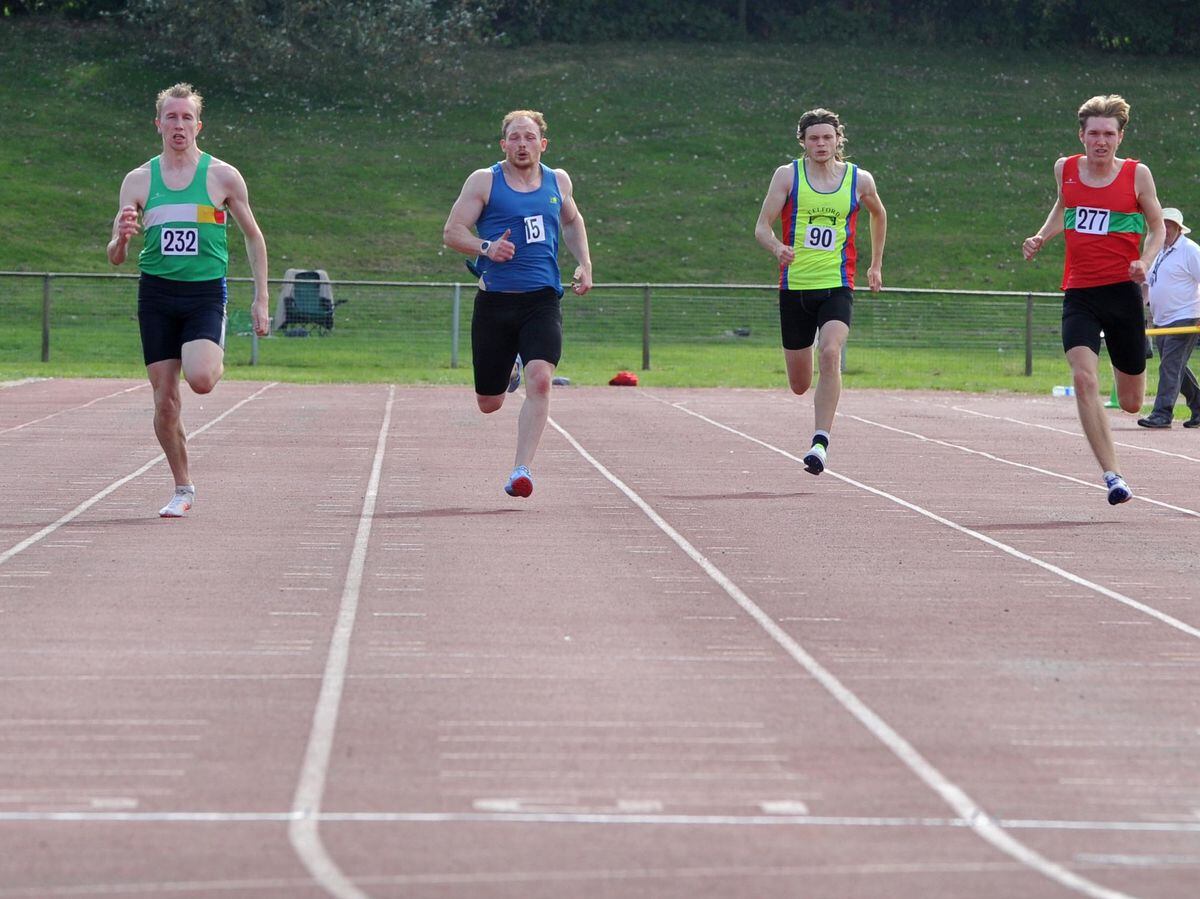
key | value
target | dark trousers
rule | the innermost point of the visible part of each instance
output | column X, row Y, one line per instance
column 1174, row 376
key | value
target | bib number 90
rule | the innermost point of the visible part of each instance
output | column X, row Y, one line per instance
column 819, row 237
column 180, row 242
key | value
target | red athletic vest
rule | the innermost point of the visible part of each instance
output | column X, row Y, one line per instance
column 1103, row 226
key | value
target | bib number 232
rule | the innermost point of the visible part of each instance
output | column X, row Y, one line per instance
column 535, row 229
column 180, row 242
column 1091, row 221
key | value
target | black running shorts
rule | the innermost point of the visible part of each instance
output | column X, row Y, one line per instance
column 1115, row 309
column 172, row 313
column 505, row 324
column 804, row 312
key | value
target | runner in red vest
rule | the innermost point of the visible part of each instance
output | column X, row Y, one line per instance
column 1105, row 204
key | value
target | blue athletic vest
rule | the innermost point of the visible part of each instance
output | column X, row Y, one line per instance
column 533, row 219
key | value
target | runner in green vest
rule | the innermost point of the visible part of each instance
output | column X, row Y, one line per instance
column 816, row 198
column 183, row 197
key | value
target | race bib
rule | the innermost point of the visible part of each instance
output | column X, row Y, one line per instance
column 819, row 237
column 535, row 229
column 1091, row 221
column 180, row 242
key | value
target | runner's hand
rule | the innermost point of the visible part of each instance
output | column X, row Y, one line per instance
column 261, row 316
column 127, row 223
column 581, row 281
column 502, row 249
column 1031, row 246
column 875, row 279
column 1137, row 271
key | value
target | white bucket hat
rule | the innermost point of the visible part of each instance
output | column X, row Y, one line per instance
column 1171, row 214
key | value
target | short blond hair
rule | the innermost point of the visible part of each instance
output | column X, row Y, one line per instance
column 537, row 117
column 183, row 91
column 820, row 116
column 1105, row 106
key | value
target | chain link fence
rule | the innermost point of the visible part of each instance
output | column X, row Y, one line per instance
column 91, row 319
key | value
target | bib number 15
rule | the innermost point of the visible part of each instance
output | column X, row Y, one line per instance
column 535, row 229
column 180, row 242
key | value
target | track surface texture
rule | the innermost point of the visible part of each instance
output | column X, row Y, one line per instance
column 684, row 667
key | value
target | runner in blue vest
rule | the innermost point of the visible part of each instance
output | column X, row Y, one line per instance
column 183, row 196
column 509, row 218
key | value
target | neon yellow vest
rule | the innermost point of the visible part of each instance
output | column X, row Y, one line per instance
column 820, row 227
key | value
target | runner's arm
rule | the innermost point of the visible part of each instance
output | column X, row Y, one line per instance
column 1156, row 232
column 574, row 235
column 870, row 198
column 772, row 208
column 458, row 233
column 130, row 202
column 1054, row 220
column 238, row 202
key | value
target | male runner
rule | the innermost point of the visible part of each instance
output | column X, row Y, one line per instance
column 182, row 196
column 817, row 197
column 1104, row 205
column 519, row 207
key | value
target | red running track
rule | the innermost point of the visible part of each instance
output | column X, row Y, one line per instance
column 683, row 668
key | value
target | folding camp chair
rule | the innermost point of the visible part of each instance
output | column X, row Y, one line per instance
column 306, row 302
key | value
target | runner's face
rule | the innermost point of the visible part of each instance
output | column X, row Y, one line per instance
column 178, row 123
column 820, row 142
column 1100, row 137
column 523, row 143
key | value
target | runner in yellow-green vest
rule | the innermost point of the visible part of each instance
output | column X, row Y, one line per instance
column 183, row 198
column 817, row 198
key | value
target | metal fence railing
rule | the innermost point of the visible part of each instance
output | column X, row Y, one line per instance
column 85, row 317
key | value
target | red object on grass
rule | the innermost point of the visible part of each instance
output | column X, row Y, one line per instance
column 624, row 379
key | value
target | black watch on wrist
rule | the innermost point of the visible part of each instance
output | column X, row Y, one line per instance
column 484, row 247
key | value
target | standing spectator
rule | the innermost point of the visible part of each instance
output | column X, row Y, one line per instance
column 1173, row 291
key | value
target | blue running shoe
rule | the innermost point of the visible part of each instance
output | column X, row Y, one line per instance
column 814, row 460
column 519, row 482
column 1118, row 490
column 514, row 380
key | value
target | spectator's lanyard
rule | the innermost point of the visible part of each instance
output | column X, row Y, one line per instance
column 1159, row 261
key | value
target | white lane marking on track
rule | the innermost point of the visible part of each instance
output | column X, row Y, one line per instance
column 117, row 484
column 1057, row 430
column 621, row 818
column 979, row 820
column 306, row 804
column 1169, row 620
column 71, row 409
column 994, row 458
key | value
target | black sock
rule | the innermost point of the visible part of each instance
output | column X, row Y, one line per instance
column 822, row 438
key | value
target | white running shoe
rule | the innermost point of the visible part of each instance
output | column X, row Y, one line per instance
column 1118, row 490
column 514, row 380
column 519, row 482
column 814, row 459
column 183, row 500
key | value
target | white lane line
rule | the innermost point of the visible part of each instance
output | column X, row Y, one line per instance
column 980, row 821
column 306, row 804
column 117, row 484
column 1169, row 620
column 592, row 818
column 1057, row 430
column 994, row 458
column 72, row 408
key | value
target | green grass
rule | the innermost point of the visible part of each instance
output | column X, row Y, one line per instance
column 670, row 147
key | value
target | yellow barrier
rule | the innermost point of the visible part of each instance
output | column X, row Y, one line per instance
column 1185, row 329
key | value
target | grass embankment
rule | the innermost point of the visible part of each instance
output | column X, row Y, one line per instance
column 670, row 148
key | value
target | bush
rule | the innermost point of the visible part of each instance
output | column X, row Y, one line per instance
column 315, row 42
